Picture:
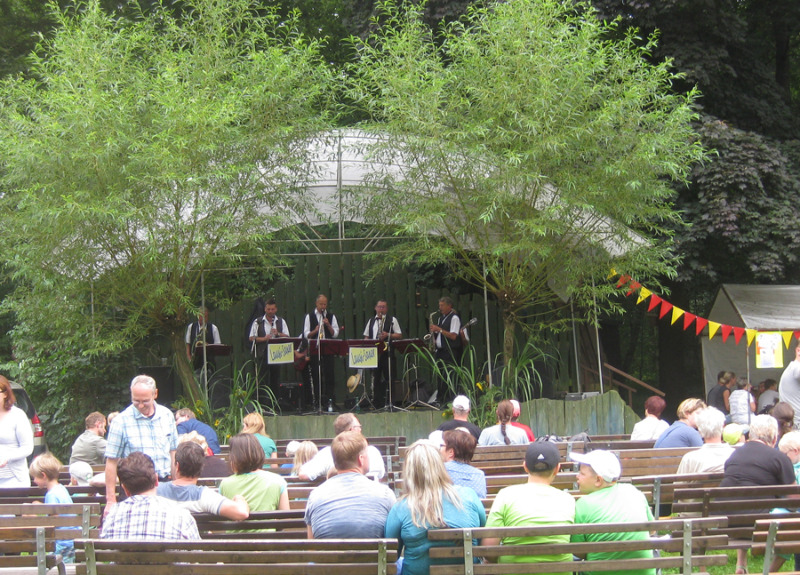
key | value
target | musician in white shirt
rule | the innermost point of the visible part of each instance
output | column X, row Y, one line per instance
column 321, row 319
column 385, row 328
column 262, row 330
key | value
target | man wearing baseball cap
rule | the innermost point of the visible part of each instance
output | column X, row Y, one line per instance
column 460, row 417
column 606, row 501
column 533, row 503
column 514, row 420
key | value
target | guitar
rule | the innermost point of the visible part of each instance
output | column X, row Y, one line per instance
column 463, row 331
column 301, row 357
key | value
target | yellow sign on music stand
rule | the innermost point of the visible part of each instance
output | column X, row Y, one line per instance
column 280, row 353
column 363, row 357
column 769, row 350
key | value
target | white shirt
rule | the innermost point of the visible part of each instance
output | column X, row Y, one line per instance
column 322, row 463
column 331, row 318
column 268, row 325
column 455, row 327
column 214, row 333
column 395, row 328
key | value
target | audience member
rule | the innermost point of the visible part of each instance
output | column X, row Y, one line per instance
column 457, row 448
column 461, row 409
column 143, row 516
column 80, row 473
column 789, row 387
column 711, row 457
column 187, row 421
column 607, row 501
column 322, row 462
column 144, row 426
column 652, row 426
column 429, row 501
column 532, row 504
column 90, row 446
column 742, row 402
column 769, row 396
column 790, row 445
column 719, row 396
column 757, row 463
column 189, row 459
column 784, row 415
column 683, row 433
column 515, row 417
column 16, row 439
column 253, row 423
column 332, row 506
column 263, row 490
column 291, row 450
column 304, row 453
column 213, row 465
column 44, row 470
column 733, row 434
column 503, row 433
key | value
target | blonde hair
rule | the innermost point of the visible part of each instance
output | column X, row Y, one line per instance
column 689, row 406
column 426, row 484
column 45, row 464
column 304, row 453
column 254, row 423
column 790, row 440
column 194, row 437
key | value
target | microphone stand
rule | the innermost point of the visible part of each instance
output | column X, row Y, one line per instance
column 390, row 407
column 319, row 364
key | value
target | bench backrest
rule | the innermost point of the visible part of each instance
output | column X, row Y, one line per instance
column 78, row 519
column 688, row 546
column 242, row 557
column 282, row 525
column 29, row 547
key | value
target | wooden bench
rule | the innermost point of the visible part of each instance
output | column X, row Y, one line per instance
column 30, row 547
column 661, row 488
column 242, row 557
column 778, row 535
column 688, row 546
column 742, row 505
column 651, row 461
column 77, row 519
column 79, row 493
column 282, row 525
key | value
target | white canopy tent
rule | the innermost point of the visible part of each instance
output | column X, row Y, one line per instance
column 760, row 307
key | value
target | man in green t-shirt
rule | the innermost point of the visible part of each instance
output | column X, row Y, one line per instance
column 533, row 503
column 606, row 501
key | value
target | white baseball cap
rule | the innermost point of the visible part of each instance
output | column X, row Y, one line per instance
column 604, row 463
column 461, row 402
column 82, row 472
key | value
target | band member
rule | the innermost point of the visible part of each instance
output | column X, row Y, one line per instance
column 197, row 332
column 262, row 330
column 448, row 344
column 321, row 324
column 383, row 327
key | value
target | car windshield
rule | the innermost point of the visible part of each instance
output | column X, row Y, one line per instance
column 24, row 402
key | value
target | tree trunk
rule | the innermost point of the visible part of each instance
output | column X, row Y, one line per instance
column 509, row 330
column 191, row 389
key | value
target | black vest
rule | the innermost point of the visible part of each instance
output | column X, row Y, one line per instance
column 444, row 323
column 196, row 332
column 313, row 323
column 387, row 324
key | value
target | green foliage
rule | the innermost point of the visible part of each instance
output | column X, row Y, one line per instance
column 142, row 152
column 525, row 151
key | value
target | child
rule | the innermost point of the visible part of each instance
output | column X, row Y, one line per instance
column 44, row 471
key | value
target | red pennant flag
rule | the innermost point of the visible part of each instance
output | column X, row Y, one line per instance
column 688, row 318
column 726, row 331
column 700, row 324
column 654, row 301
column 623, row 279
column 665, row 307
column 797, row 335
column 738, row 332
column 633, row 287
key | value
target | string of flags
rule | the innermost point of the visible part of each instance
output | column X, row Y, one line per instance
column 625, row 282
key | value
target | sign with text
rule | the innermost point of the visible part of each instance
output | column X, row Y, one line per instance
column 280, row 353
column 364, row 357
column 769, row 350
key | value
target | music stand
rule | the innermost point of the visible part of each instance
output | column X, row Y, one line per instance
column 417, row 403
column 390, row 407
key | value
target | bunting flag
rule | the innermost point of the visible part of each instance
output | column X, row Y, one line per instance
column 612, row 273
column 627, row 283
column 654, row 301
column 700, row 325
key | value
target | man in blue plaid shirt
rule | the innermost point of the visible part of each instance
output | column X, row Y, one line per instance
column 143, row 426
column 143, row 516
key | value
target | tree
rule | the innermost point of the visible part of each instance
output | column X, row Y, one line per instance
column 526, row 150
column 142, row 152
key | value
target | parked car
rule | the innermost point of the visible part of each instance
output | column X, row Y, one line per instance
column 25, row 404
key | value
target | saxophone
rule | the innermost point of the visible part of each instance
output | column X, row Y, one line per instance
column 428, row 338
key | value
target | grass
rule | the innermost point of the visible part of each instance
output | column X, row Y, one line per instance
column 755, row 565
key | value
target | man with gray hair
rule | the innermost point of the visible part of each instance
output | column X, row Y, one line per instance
column 757, row 462
column 461, row 417
column 711, row 457
column 144, row 426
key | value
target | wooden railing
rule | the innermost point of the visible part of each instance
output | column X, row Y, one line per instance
column 611, row 380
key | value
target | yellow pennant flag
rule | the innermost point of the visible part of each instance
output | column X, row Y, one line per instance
column 676, row 313
column 644, row 293
column 612, row 274
column 787, row 338
column 713, row 327
column 751, row 334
